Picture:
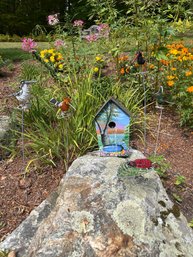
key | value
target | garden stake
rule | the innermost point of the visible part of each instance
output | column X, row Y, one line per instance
column 159, row 100
column 22, row 135
column 63, row 108
column 145, row 110
column 141, row 61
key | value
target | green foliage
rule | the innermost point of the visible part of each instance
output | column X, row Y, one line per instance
column 160, row 165
column 14, row 54
column 177, row 198
column 127, row 171
column 2, row 63
column 20, row 17
column 51, row 137
column 30, row 71
column 4, row 253
column 191, row 223
column 104, row 11
column 180, row 180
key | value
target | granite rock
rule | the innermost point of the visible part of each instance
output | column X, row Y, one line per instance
column 100, row 214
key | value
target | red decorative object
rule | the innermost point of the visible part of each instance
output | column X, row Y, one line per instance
column 141, row 163
column 65, row 104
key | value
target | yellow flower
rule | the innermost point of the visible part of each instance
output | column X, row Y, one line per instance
column 173, row 68
column 42, row 55
column 44, row 51
column 188, row 73
column 50, row 51
column 170, row 77
column 190, row 89
column 52, row 59
column 46, row 60
column 174, row 51
column 60, row 66
column 96, row 69
column 98, row 58
column 59, row 58
column 170, row 83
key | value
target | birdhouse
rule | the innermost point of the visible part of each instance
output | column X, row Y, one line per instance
column 112, row 126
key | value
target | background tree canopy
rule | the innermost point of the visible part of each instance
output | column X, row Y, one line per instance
column 21, row 16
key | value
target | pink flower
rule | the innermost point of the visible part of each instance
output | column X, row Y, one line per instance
column 92, row 38
column 28, row 44
column 104, row 29
column 78, row 23
column 53, row 19
column 58, row 43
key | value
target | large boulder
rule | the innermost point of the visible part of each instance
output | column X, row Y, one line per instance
column 98, row 213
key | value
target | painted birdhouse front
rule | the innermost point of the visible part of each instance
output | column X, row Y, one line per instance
column 112, row 126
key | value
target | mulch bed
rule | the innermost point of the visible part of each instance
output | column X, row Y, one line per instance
column 19, row 195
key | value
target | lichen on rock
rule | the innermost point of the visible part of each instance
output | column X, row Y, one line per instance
column 129, row 217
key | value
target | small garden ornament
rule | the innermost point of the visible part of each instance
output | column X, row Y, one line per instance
column 112, row 127
column 135, row 168
column 63, row 106
column 23, row 96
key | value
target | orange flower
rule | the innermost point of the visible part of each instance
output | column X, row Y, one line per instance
column 122, row 71
column 173, row 68
column 123, row 58
column 170, row 83
column 164, row 62
column 190, row 89
column 188, row 73
column 151, row 66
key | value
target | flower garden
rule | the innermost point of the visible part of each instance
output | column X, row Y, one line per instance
column 88, row 70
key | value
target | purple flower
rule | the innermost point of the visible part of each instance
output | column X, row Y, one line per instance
column 58, row 43
column 53, row 19
column 92, row 38
column 28, row 44
column 78, row 23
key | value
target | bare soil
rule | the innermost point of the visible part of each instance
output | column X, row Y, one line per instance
column 19, row 195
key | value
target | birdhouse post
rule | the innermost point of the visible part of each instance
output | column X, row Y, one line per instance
column 112, row 127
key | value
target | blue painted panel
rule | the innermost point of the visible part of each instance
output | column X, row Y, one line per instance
column 112, row 148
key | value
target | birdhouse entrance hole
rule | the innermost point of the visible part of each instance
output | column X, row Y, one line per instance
column 112, row 124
